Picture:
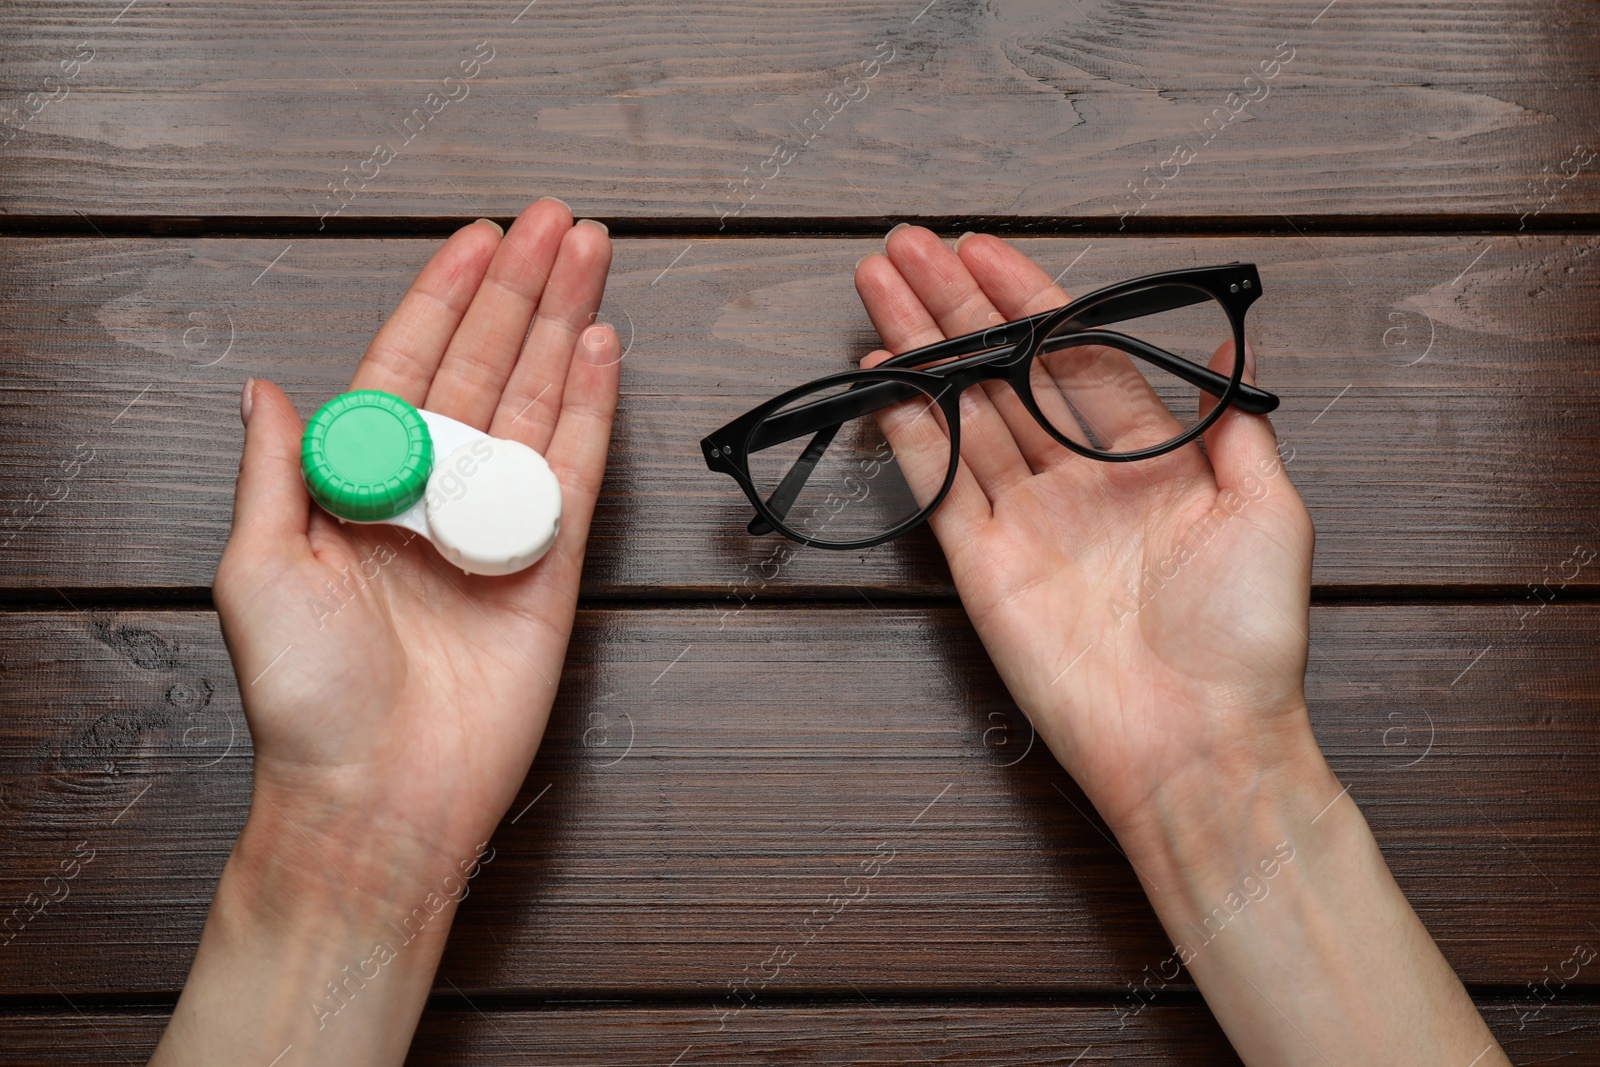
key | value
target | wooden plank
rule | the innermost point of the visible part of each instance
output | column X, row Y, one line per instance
column 1441, row 398
column 711, row 781
column 875, row 1033
column 656, row 109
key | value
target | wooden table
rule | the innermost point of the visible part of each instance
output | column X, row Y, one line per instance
column 194, row 194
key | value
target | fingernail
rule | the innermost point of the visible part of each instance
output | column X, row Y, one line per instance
column 592, row 222
column 246, row 401
column 497, row 227
column 962, row 238
column 864, row 258
column 1250, row 362
column 593, row 344
column 897, row 228
column 558, row 200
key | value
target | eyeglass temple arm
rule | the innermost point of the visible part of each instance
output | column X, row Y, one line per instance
column 864, row 399
column 1008, row 335
column 827, row 416
column 1139, row 303
column 1246, row 398
column 783, row 497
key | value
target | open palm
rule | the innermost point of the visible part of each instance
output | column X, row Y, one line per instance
column 388, row 693
column 1149, row 616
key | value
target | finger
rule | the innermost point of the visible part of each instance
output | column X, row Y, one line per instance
column 532, row 402
column 271, row 508
column 1018, row 288
column 578, row 448
column 405, row 353
column 960, row 305
column 1240, row 445
column 921, row 443
column 941, row 281
column 485, row 346
column 1013, row 283
column 1094, row 394
column 906, row 320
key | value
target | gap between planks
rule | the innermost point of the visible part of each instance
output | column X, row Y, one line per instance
column 300, row 227
column 188, row 599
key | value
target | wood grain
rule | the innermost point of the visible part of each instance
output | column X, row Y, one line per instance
column 1441, row 402
column 453, row 1033
column 1030, row 110
column 724, row 754
column 709, row 781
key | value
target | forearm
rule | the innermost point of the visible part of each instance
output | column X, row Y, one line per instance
column 329, row 951
column 1278, row 901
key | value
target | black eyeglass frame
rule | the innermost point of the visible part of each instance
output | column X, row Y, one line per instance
column 1002, row 352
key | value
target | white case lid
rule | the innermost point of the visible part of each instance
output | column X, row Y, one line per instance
column 493, row 506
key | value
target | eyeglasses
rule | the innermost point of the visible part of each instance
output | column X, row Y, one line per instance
column 858, row 458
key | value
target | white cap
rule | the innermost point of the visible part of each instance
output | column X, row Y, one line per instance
column 493, row 506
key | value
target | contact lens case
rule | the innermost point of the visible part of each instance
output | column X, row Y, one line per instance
column 490, row 506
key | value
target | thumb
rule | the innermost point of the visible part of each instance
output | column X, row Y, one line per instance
column 270, row 506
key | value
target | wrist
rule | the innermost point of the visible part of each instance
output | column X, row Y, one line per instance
column 1278, row 903
column 341, row 834
column 347, row 872
column 333, row 952
column 1230, row 815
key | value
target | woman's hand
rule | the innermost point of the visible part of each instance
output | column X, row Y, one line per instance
column 388, row 692
column 1151, row 619
column 395, row 703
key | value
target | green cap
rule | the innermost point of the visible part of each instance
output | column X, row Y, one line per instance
column 366, row 456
